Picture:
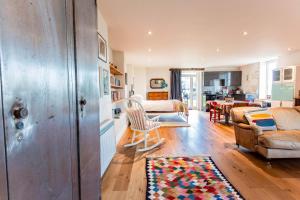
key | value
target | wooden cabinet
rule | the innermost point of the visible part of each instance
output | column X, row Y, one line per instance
column 297, row 101
column 209, row 78
column 235, row 78
column 157, row 96
column 231, row 78
column 284, row 85
column 288, row 74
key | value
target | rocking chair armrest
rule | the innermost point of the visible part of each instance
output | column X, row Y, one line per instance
column 155, row 119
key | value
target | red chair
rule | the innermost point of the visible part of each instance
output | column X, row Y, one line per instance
column 215, row 111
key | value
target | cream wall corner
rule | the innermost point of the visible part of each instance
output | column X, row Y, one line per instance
column 250, row 78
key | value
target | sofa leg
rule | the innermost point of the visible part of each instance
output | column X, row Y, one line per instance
column 269, row 164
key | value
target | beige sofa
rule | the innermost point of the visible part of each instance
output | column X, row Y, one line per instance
column 283, row 143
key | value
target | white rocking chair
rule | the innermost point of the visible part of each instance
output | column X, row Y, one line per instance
column 141, row 125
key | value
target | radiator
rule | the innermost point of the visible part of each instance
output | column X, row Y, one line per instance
column 107, row 144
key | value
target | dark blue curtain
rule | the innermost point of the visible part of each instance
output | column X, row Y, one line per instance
column 176, row 84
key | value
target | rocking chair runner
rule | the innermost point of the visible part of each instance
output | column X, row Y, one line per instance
column 143, row 125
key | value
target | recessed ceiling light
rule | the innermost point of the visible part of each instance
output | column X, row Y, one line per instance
column 245, row 33
column 217, row 50
column 149, row 32
column 149, row 50
column 289, row 49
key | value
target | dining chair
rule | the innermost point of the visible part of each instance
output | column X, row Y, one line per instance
column 142, row 125
column 215, row 111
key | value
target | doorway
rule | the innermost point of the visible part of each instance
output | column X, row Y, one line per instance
column 191, row 88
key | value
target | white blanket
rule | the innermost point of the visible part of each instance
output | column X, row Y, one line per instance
column 158, row 106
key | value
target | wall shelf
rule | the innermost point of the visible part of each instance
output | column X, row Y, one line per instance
column 115, row 71
column 116, row 87
column 118, row 101
column 117, row 82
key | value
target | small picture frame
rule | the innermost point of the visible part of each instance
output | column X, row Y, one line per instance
column 100, row 81
column 102, row 48
column 157, row 83
column 105, row 82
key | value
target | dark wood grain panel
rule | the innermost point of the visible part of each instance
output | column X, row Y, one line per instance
column 88, row 88
column 35, row 69
column 3, row 175
column 72, row 98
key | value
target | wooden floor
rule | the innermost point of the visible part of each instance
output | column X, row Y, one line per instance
column 248, row 172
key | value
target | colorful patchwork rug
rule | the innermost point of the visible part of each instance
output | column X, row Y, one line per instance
column 187, row 178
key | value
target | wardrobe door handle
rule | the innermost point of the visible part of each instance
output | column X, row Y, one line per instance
column 82, row 103
column 20, row 113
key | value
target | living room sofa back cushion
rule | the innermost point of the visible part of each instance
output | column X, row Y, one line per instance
column 286, row 118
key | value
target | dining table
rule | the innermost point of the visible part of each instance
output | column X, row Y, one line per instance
column 226, row 106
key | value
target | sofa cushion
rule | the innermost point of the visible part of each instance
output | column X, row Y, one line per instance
column 286, row 118
column 238, row 114
column 262, row 119
column 280, row 139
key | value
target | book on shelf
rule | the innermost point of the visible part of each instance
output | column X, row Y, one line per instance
column 115, row 95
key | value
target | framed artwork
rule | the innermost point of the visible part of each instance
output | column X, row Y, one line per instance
column 105, row 82
column 100, row 81
column 102, row 48
column 158, row 83
column 126, row 79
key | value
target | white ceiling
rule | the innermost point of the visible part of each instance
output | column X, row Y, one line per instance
column 187, row 33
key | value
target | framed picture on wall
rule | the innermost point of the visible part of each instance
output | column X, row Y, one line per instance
column 105, row 82
column 100, row 81
column 102, row 48
column 126, row 79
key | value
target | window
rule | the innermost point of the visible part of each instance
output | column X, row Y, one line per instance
column 271, row 65
column 189, row 89
column 266, row 78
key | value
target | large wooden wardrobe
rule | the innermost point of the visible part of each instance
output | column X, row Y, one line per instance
column 49, row 100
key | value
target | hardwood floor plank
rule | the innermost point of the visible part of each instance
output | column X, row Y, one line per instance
column 247, row 171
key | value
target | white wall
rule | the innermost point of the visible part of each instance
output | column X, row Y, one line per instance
column 140, row 82
column 141, row 76
column 105, row 100
column 250, row 78
column 292, row 59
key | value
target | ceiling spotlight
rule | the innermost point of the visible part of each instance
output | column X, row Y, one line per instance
column 289, row 49
column 149, row 32
column 245, row 33
column 149, row 50
column 217, row 50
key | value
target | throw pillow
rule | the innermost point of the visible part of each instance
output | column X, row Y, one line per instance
column 261, row 119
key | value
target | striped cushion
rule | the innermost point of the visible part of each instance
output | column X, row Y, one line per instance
column 262, row 119
column 138, row 120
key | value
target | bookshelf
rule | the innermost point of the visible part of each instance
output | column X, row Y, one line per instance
column 116, row 83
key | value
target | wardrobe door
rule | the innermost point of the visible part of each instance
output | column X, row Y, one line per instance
column 88, row 97
column 39, row 129
column 3, row 178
